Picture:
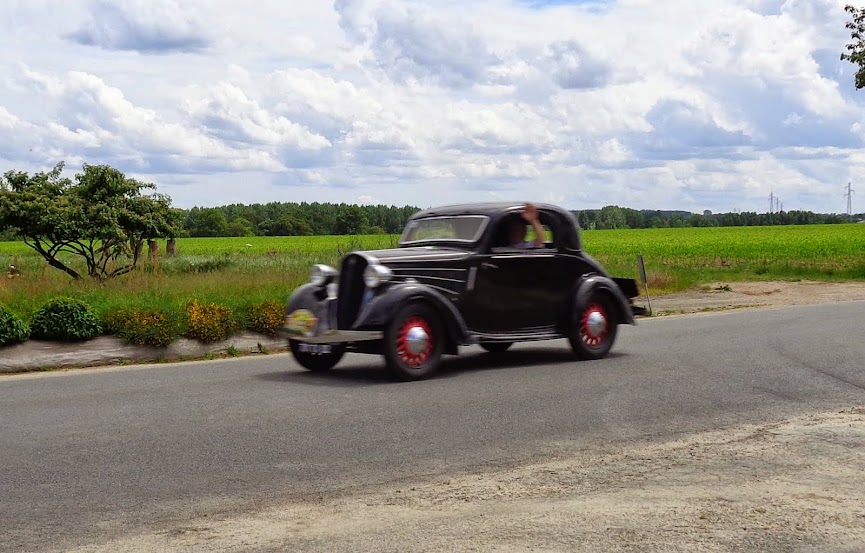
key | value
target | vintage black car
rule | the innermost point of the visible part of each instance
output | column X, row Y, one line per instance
column 454, row 280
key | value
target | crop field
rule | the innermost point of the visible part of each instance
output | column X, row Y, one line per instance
column 239, row 271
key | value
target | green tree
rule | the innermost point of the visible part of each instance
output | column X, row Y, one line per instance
column 856, row 49
column 240, row 226
column 289, row 225
column 351, row 220
column 612, row 217
column 102, row 216
column 208, row 222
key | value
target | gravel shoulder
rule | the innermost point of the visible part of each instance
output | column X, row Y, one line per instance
column 722, row 296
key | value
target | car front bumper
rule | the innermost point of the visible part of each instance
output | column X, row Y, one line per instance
column 303, row 326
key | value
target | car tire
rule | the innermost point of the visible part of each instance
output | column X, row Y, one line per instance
column 496, row 347
column 413, row 342
column 595, row 328
column 316, row 362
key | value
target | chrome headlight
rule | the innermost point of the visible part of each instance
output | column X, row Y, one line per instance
column 321, row 275
column 376, row 275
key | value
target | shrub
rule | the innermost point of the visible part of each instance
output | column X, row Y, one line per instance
column 145, row 326
column 209, row 322
column 65, row 319
column 266, row 317
column 12, row 329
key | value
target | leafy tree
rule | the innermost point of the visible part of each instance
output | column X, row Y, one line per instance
column 289, row 225
column 856, row 49
column 209, row 221
column 351, row 220
column 240, row 226
column 612, row 217
column 102, row 216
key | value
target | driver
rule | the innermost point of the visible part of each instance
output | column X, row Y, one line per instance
column 517, row 229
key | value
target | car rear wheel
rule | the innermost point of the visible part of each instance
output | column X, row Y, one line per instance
column 595, row 329
column 496, row 347
column 413, row 342
column 317, row 358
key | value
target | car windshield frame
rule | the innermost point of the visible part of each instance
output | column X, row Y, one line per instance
column 484, row 221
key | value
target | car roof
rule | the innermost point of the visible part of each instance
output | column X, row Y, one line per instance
column 489, row 209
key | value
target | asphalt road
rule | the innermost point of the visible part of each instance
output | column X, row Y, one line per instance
column 91, row 454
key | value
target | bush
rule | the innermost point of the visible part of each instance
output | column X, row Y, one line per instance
column 145, row 326
column 12, row 329
column 65, row 319
column 209, row 322
column 266, row 317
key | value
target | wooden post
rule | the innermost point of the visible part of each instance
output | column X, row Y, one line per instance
column 152, row 249
column 171, row 247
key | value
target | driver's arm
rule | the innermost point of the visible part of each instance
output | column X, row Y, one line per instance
column 531, row 215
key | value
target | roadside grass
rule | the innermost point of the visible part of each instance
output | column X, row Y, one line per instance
column 238, row 272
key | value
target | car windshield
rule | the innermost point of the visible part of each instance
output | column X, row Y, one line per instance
column 463, row 228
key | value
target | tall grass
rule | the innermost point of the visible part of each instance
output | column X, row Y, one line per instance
column 240, row 271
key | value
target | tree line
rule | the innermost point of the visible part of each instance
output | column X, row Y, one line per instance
column 615, row 217
column 294, row 219
column 308, row 219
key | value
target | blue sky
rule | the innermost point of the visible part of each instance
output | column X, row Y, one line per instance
column 669, row 104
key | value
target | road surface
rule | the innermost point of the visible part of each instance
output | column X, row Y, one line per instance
column 89, row 455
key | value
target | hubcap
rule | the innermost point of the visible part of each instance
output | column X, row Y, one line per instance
column 593, row 326
column 414, row 342
column 416, row 339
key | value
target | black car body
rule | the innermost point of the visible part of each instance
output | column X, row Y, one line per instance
column 454, row 280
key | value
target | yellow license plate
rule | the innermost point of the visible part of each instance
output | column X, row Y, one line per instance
column 301, row 322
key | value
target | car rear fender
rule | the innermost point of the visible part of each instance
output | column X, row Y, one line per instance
column 389, row 300
column 591, row 284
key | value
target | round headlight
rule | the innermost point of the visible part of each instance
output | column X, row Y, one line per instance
column 375, row 275
column 321, row 274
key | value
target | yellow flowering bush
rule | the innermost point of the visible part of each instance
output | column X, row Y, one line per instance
column 145, row 326
column 266, row 317
column 209, row 322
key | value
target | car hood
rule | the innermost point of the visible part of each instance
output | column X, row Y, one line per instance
column 428, row 254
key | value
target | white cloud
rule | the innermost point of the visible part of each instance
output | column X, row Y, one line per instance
column 674, row 104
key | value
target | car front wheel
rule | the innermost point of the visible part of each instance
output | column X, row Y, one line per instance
column 317, row 358
column 413, row 342
column 595, row 330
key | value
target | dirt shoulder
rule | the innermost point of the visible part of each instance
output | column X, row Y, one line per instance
column 791, row 486
column 722, row 296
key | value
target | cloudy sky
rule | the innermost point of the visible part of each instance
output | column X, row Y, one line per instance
column 653, row 104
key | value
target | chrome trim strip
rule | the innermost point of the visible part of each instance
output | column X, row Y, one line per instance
column 421, row 268
column 341, row 336
column 422, row 277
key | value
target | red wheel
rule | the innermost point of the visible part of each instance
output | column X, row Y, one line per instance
column 595, row 329
column 414, row 342
column 594, row 325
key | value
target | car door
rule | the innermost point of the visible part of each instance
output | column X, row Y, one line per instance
column 518, row 291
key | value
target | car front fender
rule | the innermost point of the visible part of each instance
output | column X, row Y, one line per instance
column 379, row 311
column 313, row 299
column 590, row 284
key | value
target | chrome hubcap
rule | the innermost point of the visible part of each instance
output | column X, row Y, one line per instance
column 596, row 323
column 416, row 340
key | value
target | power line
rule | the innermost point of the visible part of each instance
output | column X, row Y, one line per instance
column 849, row 195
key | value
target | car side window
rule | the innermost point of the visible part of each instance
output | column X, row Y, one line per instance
column 502, row 235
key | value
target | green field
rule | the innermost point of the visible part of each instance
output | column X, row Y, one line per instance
column 240, row 271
